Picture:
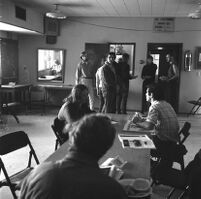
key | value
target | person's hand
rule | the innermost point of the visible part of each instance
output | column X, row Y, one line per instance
column 134, row 76
column 136, row 118
column 163, row 78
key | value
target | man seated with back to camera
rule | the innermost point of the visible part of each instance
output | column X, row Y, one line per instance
column 163, row 118
column 75, row 107
column 78, row 175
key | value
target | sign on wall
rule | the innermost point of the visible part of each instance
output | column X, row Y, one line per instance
column 164, row 24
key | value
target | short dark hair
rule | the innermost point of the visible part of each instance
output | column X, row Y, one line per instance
column 150, row 57
column 125, row 56
column 112, row 53
column 157, row 91
column 93, row 135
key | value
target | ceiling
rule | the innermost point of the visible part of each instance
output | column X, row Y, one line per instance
column 116, row 8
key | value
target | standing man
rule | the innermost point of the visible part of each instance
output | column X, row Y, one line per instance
column 109, row 81
column 124, row 77
column 148, row 75
column 168, row 78
column 85, row 74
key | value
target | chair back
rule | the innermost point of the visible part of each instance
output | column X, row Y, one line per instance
column 184, row 132
column 13, row 141
column 58, row 128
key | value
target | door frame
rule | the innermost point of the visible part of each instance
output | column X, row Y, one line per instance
column 179, row 64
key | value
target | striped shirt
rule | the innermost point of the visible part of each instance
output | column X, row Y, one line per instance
column 163, row 116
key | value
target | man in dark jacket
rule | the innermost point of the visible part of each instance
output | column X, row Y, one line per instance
column 109, row 81
column 78, row 175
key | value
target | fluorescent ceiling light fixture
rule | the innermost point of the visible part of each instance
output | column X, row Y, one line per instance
column 160, row 48
column 13, row 28
column 56, row 13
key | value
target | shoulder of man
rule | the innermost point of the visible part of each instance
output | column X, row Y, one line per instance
column 41, row 182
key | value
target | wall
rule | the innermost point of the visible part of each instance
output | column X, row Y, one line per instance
column 76, row 31
column 7, row 12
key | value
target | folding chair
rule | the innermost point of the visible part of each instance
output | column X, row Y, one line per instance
column 10, row 143
column 8, row 105
column 196, row 106
column 177, row 157
column 37, row 97
column 57, row 128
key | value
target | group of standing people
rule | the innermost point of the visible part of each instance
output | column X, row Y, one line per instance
column 167, row 77
column 112, row 82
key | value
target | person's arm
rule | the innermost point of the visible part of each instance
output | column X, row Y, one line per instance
column 145, row 125
column 77, row 75
column 97, row 82
column 176, row 73
column 150, row 121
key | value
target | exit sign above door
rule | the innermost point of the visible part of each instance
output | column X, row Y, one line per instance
column 163, row 24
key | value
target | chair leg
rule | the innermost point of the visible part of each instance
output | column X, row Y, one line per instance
column 56, row 144
column 182, row 163
column 196, row 110
column 191, row 110
column 11, row 186
column 16, row 118
column 170, row 193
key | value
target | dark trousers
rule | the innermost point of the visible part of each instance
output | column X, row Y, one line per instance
column 109, row 95
column 122, row 96
column 165, row 150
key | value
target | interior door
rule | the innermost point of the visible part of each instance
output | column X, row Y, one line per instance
column 160, row 50
column 9, row 60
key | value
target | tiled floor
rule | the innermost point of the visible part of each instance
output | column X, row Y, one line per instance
column 38, row 127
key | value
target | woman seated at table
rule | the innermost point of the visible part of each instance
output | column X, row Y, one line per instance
column 75, row 106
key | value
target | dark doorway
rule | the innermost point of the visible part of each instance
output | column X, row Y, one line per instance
column 159, row 52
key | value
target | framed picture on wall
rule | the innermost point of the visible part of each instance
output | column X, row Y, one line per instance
column 198, row 57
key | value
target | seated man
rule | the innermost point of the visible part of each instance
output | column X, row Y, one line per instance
column 78, row 175
column 163, row 118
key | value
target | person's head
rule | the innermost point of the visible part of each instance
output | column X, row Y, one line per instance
column 154, row 92
column 80, row 94
column 125, row 57
column 149, row 59
column 92, row 135
column 56, row 62
column 111, row 57
column 84, row 56
column 167, row 57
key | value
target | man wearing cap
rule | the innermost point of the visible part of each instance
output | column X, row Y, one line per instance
column 85, row 74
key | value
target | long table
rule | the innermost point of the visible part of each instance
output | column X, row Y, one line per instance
column 138, row 159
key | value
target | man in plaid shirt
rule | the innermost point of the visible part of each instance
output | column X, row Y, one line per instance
column 163, row 118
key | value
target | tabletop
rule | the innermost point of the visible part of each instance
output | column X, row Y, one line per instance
column 138, row 159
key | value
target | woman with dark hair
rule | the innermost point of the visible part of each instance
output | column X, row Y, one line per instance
column 75, row 106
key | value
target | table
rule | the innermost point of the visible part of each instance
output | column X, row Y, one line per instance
column 50, row 92
column 138, row 159
column 16, row 93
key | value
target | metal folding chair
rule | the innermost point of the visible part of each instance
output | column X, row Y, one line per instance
column 10, row 143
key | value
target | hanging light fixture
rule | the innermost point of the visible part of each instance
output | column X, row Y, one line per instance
column 56, row 13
